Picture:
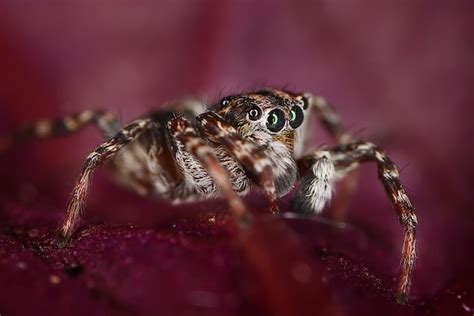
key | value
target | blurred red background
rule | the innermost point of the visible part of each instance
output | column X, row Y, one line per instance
column 400, row 74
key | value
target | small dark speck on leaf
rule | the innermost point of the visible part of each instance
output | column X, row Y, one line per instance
column 73, row 270
column 320, row 252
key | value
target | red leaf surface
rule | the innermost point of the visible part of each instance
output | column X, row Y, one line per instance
column 402, row 73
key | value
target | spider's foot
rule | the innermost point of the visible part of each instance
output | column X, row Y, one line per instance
column 61, row 241
column 401, row 298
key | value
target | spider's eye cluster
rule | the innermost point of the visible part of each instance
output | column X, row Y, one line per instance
column 275, row 120
column 296, row 117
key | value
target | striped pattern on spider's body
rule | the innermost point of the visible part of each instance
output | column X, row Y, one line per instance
column 251, row 139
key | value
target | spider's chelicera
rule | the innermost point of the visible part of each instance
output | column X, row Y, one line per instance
column 184, row 153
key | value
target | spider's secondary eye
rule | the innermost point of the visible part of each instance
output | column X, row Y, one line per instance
column 255, row 113
column 275, row 120
column 304, row 102
column 225, row 101
column 296, row 117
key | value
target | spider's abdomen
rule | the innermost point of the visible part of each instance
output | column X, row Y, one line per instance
column 146, row 166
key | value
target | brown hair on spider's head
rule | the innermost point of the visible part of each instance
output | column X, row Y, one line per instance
column 265, row 115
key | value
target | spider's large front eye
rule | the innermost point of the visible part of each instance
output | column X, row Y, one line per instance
column 275, row 120
column 255, row 113
column 296, row 117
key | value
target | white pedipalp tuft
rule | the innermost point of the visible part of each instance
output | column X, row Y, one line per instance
column 321, row 187
column 317, row 186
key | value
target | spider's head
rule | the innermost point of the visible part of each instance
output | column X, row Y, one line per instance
column 269, row 119
column 265, row 116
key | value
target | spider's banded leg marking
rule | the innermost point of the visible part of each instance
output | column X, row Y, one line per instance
column 104, row 121
column 96, row 158
column 217, row 131
column 181, row 129
column 350, row 155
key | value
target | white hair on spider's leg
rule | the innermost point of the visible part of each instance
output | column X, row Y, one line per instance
column 317, row 186
column 322, row 184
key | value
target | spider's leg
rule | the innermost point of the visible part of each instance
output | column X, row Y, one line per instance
column 96, row 158
column 104, row 121
column 327, row 116
column 182, row 132
column 350, row 155
column 217, row 131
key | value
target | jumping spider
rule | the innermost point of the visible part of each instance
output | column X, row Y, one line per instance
column 184, row 154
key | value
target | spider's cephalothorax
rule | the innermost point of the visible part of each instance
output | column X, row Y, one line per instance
column 268, row 119
column 183, row 153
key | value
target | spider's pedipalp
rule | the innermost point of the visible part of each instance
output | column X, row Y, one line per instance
column 316, row 186
column 254, row 162
column 186, row 136
column 96, row 158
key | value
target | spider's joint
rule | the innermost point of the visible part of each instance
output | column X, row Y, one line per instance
column 409, row 221
column 323, row 155
column 70, row 123
column 391, row 173
column 86, row 115
column 43, row 128
column 403, row 198
column 92, row 157
column 367, row 146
